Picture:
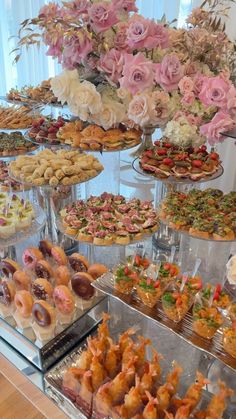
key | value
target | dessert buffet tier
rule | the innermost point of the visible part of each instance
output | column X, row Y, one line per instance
column 33, row 95
column 172, row 179
column 201, row 315
column 77, row 134
column 16, row 117
column 207, row 215
column 168, row 162
column 109, row 219
column 51, row 168
column 14, row 143
column 19, row 220
column 7, row 184
column 42, row 299
column 112, row 376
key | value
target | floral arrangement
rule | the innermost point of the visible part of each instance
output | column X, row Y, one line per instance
column 120, row 67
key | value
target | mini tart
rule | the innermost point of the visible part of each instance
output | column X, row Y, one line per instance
column 149, row 291
column 124, row 279
column 229, row 340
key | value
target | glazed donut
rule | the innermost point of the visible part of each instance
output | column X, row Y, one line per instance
column 43, row 314
column 42, row 289
column 63, row 299
column 81, row 285
column 78, row 262
column 45, row 246
column 59, row 255
column 30, row 257
column 8, row 267
column 43, row 269
column 22, row 280
column 7, row 292
column 96, row 270
column 62, row 275
column 24, row 303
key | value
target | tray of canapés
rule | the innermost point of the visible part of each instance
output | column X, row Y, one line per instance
column 201, row 314
column 77, row 134
column 47, row 292
column 169, row 162
column 7, row 184
column 116, row 377
column 14, row 143
column 31, row 96
column 108, row 219
column 54, row 168
column 207, row 215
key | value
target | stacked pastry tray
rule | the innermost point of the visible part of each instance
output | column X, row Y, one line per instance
column 43, row 357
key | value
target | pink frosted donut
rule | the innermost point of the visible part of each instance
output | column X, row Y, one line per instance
column 30, row 257
column 63, row 299
column 59, row 255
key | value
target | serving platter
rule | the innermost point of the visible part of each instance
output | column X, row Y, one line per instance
column 183, row 329
column 174, row 180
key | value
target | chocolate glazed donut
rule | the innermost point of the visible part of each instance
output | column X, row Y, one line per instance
column 5, row 295
column 78, row 262
column 43, row 269
column 41, row 315
column 8, row 268
column 81, row 285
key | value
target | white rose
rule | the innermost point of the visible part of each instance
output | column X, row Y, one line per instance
column 112, row 113
column 85, row 100
column 61, row 84
column 181, row 133
column 141, row 110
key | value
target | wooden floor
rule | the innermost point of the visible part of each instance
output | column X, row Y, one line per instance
column 13, row 405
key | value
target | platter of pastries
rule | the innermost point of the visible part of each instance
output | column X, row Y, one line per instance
column 16, row 117
column 175, row 164
column 55, row 168
column 14, row 143
column 199, row 313
column 44, row 130
column 122, row 377
column 31, row 95
column 93, row 137
column 108, row 219
column 46, row 291
column 207, row 215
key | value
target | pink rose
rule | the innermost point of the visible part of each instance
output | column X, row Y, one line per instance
column 77, row 7
column 140, row 110
column 120, row 40
column 191, row 69
column 112, row 64
column 138, row 73
column 161, row 109
column 193, row 120
column 55, row 43
column 145, row 33
column 188, row 98
column 214, row 91
column 186, row 85
column 220, row 123
column 76, row 49
column 169, row 72
column 198, row 83
column 127, row 5
column 102, row 16
column 231, row 101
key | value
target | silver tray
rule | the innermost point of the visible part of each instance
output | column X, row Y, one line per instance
column 43, row 357
column 183, row 329
column 53, row 388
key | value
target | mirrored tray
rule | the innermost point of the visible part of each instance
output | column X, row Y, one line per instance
column 186, row 233
column 107, row 150
column 35, row 227
column 183, row 329
column 171, row 179
column 65, row 339
column 61, row 228
column 27, row 101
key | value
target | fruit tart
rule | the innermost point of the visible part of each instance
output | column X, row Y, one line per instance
column 149, row 290
column 125, row 279
column 229, row 339
column 206, row 320
column 220, row 297
column 176, row 303
column 44, row 130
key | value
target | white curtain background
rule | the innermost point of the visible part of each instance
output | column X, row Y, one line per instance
column 34, row 66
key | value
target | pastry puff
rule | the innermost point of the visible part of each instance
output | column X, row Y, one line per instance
column 48, row 173
column 59, row 174
column 53, row 181
column 39, row 181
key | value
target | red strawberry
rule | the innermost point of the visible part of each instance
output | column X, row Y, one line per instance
column 203, row 148
column 161, row 152
column 167, row 145
column 214, row 156
column 168, row 161
column 218, row 288
column 137, row 260
column 157, row 142
column 52, row 129
column 157, row 284
column 216, row 296
column 126, row 270
column 166, row 266
column 149, row 153
column 196, row 163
